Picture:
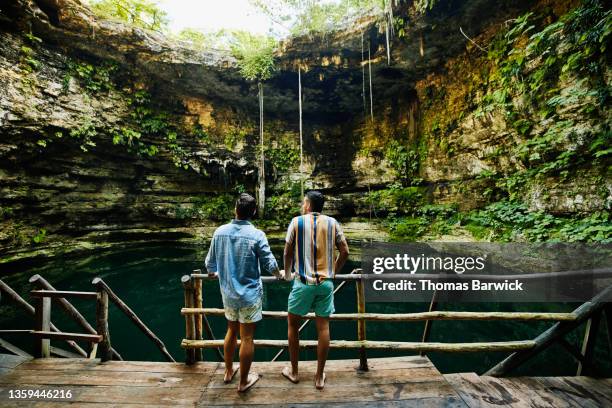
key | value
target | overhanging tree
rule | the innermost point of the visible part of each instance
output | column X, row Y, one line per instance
column 255, row 56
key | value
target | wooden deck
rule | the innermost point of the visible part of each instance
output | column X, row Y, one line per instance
column 391, row 382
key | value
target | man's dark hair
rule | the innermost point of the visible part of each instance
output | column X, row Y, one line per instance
column 316, row 200
column 245, row 206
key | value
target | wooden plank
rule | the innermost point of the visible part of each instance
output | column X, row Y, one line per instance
column 569, row 392
column 343, row 393
column 592, row 388
column 476, row 393
column 94, row 338
column 12, row 361
column 435, row 402
column 527, row 396
column 115, row 395
column 56, row 351
column 381, row 345
column 62, row 294
column 272, row 378
column 134, row 379
column 117, row 366
column 515, row 397
column 420, row 316
column 14, row 349
column 541, row 393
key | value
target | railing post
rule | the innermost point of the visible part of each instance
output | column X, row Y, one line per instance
column 189, row 319
column 433, row 305
column 361, row 324
column 198, row 302
column 104, row 347
column 43, row 323
column 588, row 344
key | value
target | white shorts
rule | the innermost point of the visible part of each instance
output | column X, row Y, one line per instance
column 248, row 314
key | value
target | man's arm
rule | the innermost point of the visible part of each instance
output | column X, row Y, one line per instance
column 267, row 262
column 211, row 259
column 288, row 259
column 343, row 255
column 343, row 248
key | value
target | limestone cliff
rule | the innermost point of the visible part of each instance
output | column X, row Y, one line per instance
column 111, row 135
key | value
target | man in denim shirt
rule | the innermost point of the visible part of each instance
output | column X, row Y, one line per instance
column 238, row 252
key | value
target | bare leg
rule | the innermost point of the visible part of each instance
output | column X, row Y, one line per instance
column 229, row 347
column 247, row 350
column 293, row 336
column 322, row 350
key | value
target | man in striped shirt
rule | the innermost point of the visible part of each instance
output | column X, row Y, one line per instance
column 310, row 249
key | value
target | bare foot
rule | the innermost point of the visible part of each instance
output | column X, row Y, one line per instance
column 320, row 382
column 229, row 375
column 288, row 374
column 251, row 379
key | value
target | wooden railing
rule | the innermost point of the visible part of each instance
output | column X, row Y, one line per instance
column 195, row 315
column 99, row 338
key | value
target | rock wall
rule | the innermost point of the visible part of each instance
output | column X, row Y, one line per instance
column 111, row 135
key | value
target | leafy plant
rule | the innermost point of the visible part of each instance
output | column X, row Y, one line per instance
column 40, row 236
column 138, row 13
column 95, row 78
column 403, row 160
column 85, row 134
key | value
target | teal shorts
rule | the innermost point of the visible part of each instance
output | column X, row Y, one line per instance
column 304, row 298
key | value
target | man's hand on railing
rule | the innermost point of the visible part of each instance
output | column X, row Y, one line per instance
column 281, row 275
column 213, row 275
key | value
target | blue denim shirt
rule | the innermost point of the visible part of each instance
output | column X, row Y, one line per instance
column 238, row 252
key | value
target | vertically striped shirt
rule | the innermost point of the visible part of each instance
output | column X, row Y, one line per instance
column 314, row 237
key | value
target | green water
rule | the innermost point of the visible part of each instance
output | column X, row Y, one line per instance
column 148, row 280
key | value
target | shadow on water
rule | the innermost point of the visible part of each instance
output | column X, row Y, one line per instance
column 148, row 280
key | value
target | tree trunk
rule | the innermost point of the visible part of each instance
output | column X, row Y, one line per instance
column 261, row 175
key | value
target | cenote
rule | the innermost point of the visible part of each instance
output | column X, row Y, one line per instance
column 123, row 146
column 148, row 280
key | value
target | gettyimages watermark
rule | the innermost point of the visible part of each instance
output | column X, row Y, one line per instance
column 486, row 272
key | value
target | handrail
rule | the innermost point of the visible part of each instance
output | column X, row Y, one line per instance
column 14, row 296
column 102, row 286
column 523, row 349
column 419, row 316
column 43, row 321
column 381, row 345
column 70, row 310
column 597, row 273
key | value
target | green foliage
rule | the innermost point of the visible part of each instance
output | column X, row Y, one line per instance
column 216, row 208
column 255, row 55
column 5, row 213
column 234, row 136
column 513, row 221
column 283, row 156
column 95, row 78
column 433, row 220
column 403, row 160
column 396, row 200
column 138, row 13
column 40, row 236
column 27, row 60
column 85, row 134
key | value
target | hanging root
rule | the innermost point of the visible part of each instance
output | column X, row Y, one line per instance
column 472, row 41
